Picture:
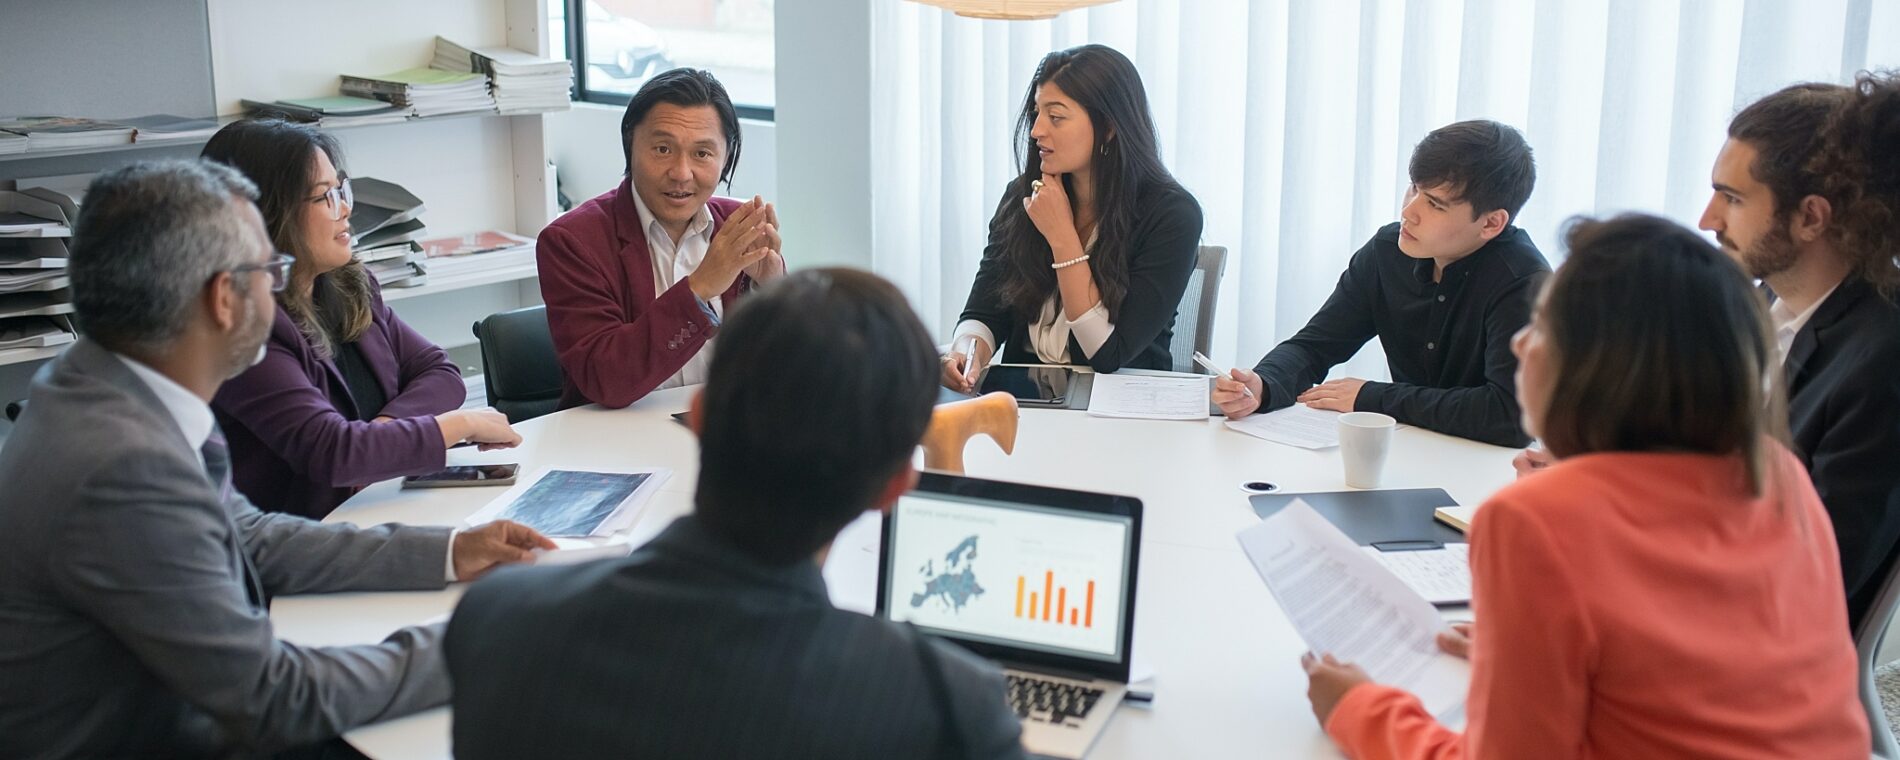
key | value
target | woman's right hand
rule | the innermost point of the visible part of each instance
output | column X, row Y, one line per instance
column 485, row 427
column 1456, row 640
column 963, row 364
column 1531, row 460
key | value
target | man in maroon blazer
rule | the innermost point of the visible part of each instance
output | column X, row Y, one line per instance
column 637, row 280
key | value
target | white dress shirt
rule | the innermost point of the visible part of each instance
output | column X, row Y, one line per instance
column 195, row 421
column 1049, row 336
column 1788, row 324
column 674, row 262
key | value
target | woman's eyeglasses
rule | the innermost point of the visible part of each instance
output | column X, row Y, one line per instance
column 337, row 198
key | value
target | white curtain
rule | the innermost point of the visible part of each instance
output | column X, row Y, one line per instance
column 1292, row 120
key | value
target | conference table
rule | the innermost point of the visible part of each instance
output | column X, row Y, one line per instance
column 1223, row 660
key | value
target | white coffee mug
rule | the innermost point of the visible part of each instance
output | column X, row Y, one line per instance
column 1364, row 439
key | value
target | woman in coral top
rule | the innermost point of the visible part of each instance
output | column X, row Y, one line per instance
column 1668, row 588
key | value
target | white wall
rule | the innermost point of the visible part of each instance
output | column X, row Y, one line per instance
column 824, row 131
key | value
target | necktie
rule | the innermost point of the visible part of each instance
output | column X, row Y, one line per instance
column 217, row 454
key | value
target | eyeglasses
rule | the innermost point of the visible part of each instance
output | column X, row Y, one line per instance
column 278, row 265
column 337, row 198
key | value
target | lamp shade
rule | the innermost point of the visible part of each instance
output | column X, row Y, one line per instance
column 1011, row 10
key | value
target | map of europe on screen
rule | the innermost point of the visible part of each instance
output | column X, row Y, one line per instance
column 956, row 585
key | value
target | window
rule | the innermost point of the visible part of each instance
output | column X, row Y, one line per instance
column 625, row 42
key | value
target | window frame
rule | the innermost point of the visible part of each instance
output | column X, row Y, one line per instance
column 577, row 56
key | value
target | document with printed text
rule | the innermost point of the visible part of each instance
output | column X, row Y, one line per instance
column 1345, row 603
column 1150, row 397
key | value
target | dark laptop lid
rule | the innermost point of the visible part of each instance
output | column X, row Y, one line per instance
column 1032, row 576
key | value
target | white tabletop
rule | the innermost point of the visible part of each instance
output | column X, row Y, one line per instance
column 1227, row 678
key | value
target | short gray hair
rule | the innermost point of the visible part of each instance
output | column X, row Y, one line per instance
column 148, row 238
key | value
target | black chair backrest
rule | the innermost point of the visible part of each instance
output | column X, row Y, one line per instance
column 519, row 367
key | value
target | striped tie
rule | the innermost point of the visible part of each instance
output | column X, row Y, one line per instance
column 217, row 454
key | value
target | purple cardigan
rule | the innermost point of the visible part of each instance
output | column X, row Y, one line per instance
column 293, row 450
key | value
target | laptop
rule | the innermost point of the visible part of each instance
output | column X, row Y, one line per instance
column 1040, row 580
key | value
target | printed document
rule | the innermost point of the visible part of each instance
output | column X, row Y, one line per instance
column 575, row 503
column 1344, row 603
column 1150, row 397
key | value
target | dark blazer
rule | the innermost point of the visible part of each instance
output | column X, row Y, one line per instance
column 690, row 649
column 292, row 447
column 616, row 339
column 1166, row 246
column 132, row 592
column 1843, row 373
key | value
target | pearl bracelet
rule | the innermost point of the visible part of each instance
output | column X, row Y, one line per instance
column 1070, row 262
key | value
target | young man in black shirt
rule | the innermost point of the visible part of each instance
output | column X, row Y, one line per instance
column 1443, row 289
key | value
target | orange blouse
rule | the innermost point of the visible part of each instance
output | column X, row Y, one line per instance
column 1635, row 605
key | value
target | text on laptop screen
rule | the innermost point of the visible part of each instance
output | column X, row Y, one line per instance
column 1008, row 573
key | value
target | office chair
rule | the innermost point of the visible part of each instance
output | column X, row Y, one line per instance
column 1194, row 319
column 519, row 366
column 952, row 426
column 1867, row 638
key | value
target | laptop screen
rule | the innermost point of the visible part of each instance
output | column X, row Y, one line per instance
column 1009, row 574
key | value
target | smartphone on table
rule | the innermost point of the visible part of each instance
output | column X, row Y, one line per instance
column 460, row 475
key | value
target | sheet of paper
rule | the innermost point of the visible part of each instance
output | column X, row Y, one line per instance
column 1149, row 397
column 1297, row 425
column 1457, row 517
column 561, row 502
column 1442, row 576
column 1344, row 603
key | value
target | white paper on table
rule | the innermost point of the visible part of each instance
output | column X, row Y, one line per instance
column 1345, row 603
column 1442, row 576
column 615, row 511
column 572, row 551
column 1297, row 425
column 1149, row 397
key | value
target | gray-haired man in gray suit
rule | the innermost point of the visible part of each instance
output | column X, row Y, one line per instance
column 134, row 581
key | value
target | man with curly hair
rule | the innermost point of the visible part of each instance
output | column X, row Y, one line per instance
column 1807, row 199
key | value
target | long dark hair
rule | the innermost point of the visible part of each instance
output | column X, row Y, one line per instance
column 1661, row 344
column 276, row 156
column 1127, row 161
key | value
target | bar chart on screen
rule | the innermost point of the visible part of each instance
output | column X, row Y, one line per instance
column 1082, row 615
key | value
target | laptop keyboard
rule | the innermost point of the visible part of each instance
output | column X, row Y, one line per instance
column 1053, row 702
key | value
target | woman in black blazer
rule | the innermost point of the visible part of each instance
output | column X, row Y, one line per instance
column 1091, row 248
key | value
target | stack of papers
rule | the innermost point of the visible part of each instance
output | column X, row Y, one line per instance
column 331, row 112
column 36, row 213
column 425, row 92
column 64, row 133
column 521, row 82
column 1441, row 576
column 1298, row 425
column 32, row 253
column 1346, row 604
column 32, row 280
column 35, row 332
column 12, row 143
column 383, row 206
column 1150, row 397
column 406, row 272
column 169, row 128
column 476, row 252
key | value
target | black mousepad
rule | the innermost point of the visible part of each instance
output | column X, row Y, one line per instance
column 1391, row 519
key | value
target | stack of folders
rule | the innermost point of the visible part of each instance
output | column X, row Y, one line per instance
column 329, row 111
column 169, row 128
column 522, row 83
column 34, row 297
column 477, row 252
column 385, row 223
column 64, row 133
column 425, row 92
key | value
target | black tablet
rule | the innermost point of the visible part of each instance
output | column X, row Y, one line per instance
column 1032, row 386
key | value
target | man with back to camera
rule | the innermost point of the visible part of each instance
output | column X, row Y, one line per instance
column 718, row 639
column 638, row 279
column 1443, row 289
column 134, row 580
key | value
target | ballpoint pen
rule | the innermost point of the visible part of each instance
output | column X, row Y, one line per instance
column 1208, row 364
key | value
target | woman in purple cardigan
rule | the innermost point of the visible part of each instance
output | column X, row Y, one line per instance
column 345, row 394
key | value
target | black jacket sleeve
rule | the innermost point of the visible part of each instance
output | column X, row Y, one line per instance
column 1340, row 328
column 1487, row 413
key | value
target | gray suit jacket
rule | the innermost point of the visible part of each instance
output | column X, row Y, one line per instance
column 690, row 649
column 127, row 623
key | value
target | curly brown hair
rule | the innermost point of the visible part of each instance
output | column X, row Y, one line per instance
column 1857, row 169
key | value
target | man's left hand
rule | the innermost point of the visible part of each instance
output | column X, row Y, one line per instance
column 1336, row 395
column 773, row 265
column 1327, row 681
column 501, row 542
